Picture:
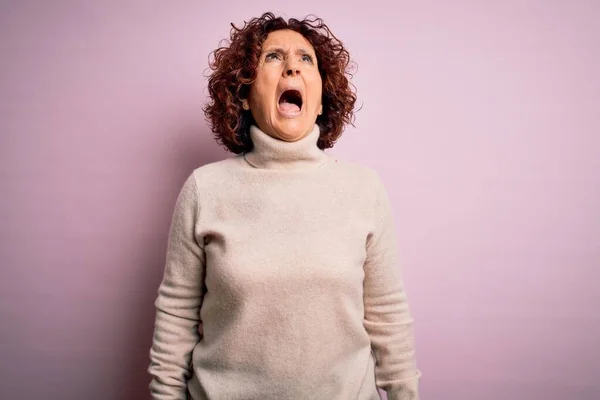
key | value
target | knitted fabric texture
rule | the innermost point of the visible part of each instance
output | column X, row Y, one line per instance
column 287, row 257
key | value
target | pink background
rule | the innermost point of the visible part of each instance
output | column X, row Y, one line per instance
column 483, row 118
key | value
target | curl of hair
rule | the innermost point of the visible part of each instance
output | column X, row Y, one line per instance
column 234, row 70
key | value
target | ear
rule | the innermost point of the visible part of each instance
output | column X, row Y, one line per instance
column 321, row 110
column 245, row 104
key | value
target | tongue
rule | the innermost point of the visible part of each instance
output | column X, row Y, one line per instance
column 289, row 107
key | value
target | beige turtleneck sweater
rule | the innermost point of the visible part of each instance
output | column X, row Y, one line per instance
column 287, row 257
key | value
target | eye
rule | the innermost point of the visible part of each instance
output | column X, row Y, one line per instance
column 272, row 56
column 307, row 58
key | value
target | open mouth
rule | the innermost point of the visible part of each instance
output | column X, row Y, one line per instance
column 290, row 101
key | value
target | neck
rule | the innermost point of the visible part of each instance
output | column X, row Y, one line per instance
column 271, row 153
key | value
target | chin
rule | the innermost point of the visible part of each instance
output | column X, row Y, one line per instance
column 293, row 132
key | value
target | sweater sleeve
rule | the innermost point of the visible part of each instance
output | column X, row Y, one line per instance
column 388, row 320
column 178, row 302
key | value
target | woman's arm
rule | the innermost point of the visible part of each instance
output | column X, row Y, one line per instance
column 387, row 316
column 178, row 303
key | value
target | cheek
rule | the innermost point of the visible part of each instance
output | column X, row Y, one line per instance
column 315, row 85
column 265, row 83
column 258, row 94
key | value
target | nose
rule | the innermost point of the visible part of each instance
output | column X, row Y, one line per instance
column 292, row 69
column 292, row 72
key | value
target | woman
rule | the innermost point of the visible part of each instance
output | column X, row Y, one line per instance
column 284, row 254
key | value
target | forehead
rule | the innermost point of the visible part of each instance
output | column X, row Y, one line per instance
column 286, row 38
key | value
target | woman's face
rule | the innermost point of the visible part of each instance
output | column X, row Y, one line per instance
column 285, row 98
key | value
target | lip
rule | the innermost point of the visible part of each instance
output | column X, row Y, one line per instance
column 280, row 91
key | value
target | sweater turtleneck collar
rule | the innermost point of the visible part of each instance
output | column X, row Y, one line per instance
column 271, row 153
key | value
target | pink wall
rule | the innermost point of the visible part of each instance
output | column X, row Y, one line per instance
column 482, row 117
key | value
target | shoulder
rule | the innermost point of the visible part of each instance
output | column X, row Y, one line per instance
column 212, row 173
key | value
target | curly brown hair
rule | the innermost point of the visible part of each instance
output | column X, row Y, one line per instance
column 234, row 70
